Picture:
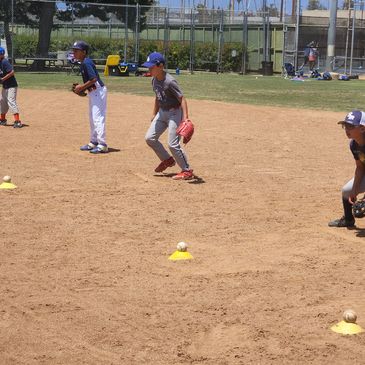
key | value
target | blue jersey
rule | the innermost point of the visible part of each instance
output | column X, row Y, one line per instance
column 6, row 68
column 357, row 151
column 89, row 71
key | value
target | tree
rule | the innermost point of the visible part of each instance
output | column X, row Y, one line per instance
column 42, row 15
column 315, row 5
column 348, row 4
column 20, row 16
column 271, row 10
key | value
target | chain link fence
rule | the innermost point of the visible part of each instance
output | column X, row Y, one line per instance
column 193, row 38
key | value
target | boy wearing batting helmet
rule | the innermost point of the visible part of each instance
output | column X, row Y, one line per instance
column 97, row 93
column 354, row 126
column 169, row 110
column 8, row 92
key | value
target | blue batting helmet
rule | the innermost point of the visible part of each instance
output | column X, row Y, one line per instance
column 81, row 45
column 2, row 51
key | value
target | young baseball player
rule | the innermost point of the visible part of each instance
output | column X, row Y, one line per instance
column 9, row 91
column 354, row 125
column 97, row 94
column 170, row 108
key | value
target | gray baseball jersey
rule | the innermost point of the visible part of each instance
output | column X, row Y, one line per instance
column 167, row 92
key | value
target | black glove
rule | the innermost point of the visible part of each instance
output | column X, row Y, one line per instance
column 358, row 208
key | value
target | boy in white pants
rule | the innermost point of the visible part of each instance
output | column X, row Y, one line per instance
column 97, row 93
column 8, row 92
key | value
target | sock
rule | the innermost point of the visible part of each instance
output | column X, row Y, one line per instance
column 347, row 208
column 2, row 116
column 16, row 117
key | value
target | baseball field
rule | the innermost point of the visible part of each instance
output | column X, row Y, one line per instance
column 85, row 240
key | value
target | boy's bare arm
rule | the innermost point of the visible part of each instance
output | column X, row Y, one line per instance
column 184, row 107
column 359, row 174
column 155, row 109
column 10, row 74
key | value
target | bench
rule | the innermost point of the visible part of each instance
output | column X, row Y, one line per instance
column 50, row 62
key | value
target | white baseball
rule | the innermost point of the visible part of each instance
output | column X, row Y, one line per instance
column 349, row 316
column 7, row 179
column 182, row 246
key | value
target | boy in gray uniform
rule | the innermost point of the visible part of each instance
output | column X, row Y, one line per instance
column 170, row 108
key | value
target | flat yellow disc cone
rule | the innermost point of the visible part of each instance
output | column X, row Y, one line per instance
column 346, row 328
column 7, row 185
column 181, row 255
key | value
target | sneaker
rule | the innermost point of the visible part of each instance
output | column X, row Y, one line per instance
column 165, row 164
column 184, row 175
column 18, row 124
column 342, row 222
column 99, row 149
column 88, row 147
column 2, row 121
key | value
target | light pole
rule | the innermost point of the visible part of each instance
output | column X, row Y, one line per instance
column 12, row 31
column 125, row 32
column 331, row 38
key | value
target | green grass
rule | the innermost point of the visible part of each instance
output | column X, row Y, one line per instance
column 327, row 95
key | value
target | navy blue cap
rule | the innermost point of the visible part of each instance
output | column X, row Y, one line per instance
column 83, row 46
column 2, row 51
column 356, row 117
column 153, row 59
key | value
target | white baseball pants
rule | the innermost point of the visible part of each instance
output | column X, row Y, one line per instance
column 97, row 114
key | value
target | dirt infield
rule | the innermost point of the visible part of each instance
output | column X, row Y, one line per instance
column 85, row 240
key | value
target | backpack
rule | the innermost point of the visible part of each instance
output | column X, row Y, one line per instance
column 343, row 77
column 314, row 74
column 289, row 69
column 326, row 76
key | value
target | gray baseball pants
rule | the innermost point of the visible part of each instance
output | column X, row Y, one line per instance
column 167, row 119
column 8, row 100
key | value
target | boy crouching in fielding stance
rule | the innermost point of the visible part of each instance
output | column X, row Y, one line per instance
column 9, row 91
column 97, row 94
column 170, row 109
column 354, row 125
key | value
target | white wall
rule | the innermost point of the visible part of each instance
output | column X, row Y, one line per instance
column 3, row 44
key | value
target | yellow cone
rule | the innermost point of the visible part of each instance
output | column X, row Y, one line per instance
column 7, row 185
column 346, row 328
column 181, row 255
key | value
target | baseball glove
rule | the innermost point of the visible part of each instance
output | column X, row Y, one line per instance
column 186, row 130
column 358, row 208
column 81, row 93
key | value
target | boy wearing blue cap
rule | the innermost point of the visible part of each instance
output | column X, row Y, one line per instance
column 97, row 93
column 9, row 91
column 354, row 125
column 169, row 110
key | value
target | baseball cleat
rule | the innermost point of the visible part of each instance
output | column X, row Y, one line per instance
column 88, row 147
column 99, row 149
column 165, row 164
column 2, row 121
column 18, row 124
column 184, row 175
column 342, row 222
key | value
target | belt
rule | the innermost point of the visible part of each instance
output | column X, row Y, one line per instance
column 171, row 109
